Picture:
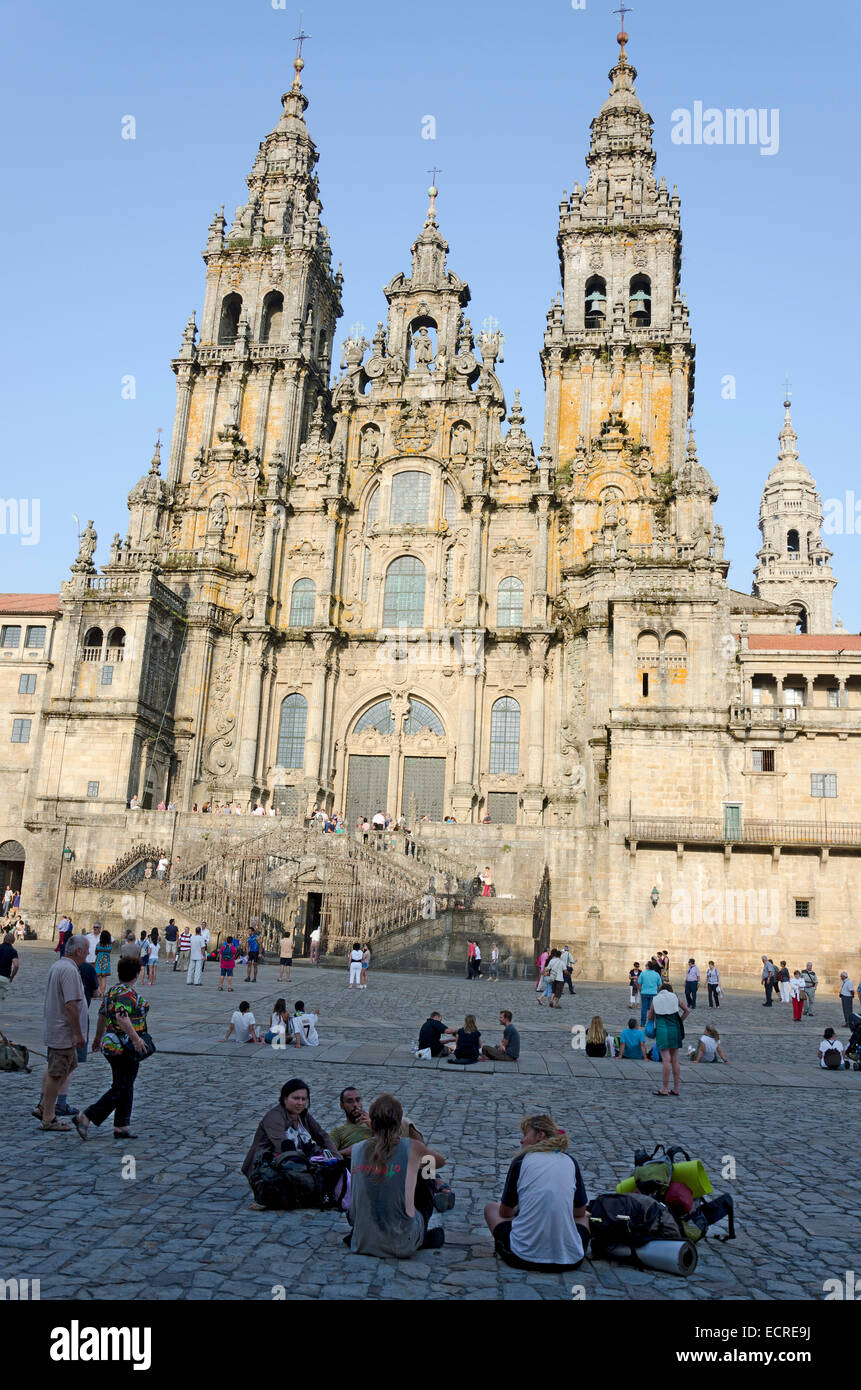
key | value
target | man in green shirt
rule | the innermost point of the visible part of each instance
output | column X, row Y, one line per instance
column 357, row 1124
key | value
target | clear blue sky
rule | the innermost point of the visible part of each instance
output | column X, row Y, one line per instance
column 103, row 235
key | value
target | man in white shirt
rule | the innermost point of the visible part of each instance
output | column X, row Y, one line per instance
column 568, row 963
column 196, row 952
column 242, row 1023
column 847, row 994
column 93, row 941
column 161, row 868
column 315, row 945
column 305, row 1026
column 554, row 969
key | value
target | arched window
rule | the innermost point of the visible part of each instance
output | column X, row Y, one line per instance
column 449, row 509
column 302, row 603
column 648, row 646
column 596, row 302
column 116, row 644
column 792, row 543
column 800, row 618
column 94, row 639
column 410, row 499
column 291, row 731
column 422, row 717
column 404, row 597
column 373, row 508
column 378, row 717
column 366, row 573
column 509, row 603
column 273, row 315
column 640, row 301
column 675, row 644
column 228, row 327
column 505, row 736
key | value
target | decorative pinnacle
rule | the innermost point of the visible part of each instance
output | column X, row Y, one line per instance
column 298, row 61
column 433, row 192
column 622, row 37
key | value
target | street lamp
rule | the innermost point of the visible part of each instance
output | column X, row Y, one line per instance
column 655, row 895
column 68, row 854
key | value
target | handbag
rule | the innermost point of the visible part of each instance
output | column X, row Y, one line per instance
column 650, row 1028
column 13, row 1056
column 146, row 1039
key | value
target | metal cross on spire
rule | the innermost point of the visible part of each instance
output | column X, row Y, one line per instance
column 787, row 390
column 623, row 10
column 433, row 190
column 300, row 38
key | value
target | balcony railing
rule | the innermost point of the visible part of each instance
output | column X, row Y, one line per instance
column 699, row 830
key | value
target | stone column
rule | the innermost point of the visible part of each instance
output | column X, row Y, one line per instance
column 533, row 794
column 263, row 578
column 473, row 593
column 463, row 791
column 184, row 380
column 265, row 373
column 678, row 433
column 539, row 578
column 327, row 586
column 647, row 368
column 255, row 671
column 587, row 372
column 553, row 385
column 209, row 407
column 322, row 643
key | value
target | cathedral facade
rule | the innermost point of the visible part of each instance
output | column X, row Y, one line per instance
column 367, row 589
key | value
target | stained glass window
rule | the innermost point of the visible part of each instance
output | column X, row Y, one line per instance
column 505, row 736
column 404, row 599
column 302, row 603
column 410, row 499
column 509, row 603
column 291, row 731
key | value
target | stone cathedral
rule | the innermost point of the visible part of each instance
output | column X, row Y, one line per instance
column 364, row 587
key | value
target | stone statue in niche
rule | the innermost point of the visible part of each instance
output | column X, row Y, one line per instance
column 460, row 441
column 370, row 448
column 217, row 515
column 423, row 348
column 623, row 536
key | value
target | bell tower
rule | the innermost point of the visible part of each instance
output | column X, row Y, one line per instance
column 618, row 358
column 793, row 564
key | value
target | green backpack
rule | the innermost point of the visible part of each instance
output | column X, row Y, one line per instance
column 653, row 1174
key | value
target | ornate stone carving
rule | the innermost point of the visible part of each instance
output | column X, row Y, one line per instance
column 414, row 430
column 515, row 461
column 512, row 547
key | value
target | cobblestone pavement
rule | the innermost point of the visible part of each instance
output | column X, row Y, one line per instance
column 182, row 1228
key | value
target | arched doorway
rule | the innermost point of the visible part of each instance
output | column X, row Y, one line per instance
column 11, row 865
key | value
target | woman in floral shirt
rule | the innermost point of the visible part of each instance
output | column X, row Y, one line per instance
column 122, row 1018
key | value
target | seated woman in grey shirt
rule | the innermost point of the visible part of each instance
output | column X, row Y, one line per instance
column 392, row 1195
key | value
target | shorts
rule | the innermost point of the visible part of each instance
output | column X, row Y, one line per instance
column 558, row 986
column 502, row 1242
column 228, row 971
column 286, row 960
column 254, row 957
column 61, row 1062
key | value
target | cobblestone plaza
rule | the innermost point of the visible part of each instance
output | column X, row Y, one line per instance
column 71, row 1219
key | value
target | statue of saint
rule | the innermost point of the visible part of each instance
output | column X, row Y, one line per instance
column 218, row 515
column 86, row 549
column 423, row 347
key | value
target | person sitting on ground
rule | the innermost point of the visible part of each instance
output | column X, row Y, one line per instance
column 392, row 1194
column 830, row 1044
column 632, row 1041
column 431, row 1035
column 509, row 1047
column 280, row 1025
column 289, row 1127
column 305, row 1026
column 710, row 1049
column 243, row 1025
column 596, row 1038
column 467, row 1048
column 541, row 1222
column 357, row 1123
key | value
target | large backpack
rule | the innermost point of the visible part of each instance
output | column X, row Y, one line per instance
column 13, row 1056
column 287, row 1181
column 630, row 1220
column 653, row 1172
column 833, row 1058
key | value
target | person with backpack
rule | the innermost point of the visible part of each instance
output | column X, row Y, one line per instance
column 634, row 985
column 227, row 960
column 649, row 981
column 669, row 1016
column 769, row 979
column 796, row 994
column 253, row 956
column 568, row 963
column 830, row 1051
column 541, row 1222
column 289, row 1127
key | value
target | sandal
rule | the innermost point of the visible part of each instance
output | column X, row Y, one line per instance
column 660, row 1093
column 55, row 1127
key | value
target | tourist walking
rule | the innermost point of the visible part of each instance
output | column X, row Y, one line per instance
column 391, row 1197
column 195, row 959
column 713, row 982
column 811, row 980
column 161, row 868
column 286, row 956
column 650, row 983
column 668, row 1016
column 366, row 965
column 9, row 963
column 171, row 933
column 796, row 994
column 122, row 1021
column 144, row 944
column 692, row 983
column 847, row 994
column 355, row 967
column 470, row 952
column 206, row 934
column 64, row 1027
column 783, row 980
column 103, row 961
column 486, row 881
column 493, row 974
column 540, row 966
column 154, row 949
column 227, row 961
column 253, row 956
column 769, row 979
column 7, row 900
column 568, row 963
column 557, row 984
column 315, row 945
column 181, row 961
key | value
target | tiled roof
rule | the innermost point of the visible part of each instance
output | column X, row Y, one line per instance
column 29, row 603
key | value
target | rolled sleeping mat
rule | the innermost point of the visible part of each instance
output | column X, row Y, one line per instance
column 692, row 1174
column 668, row 1256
